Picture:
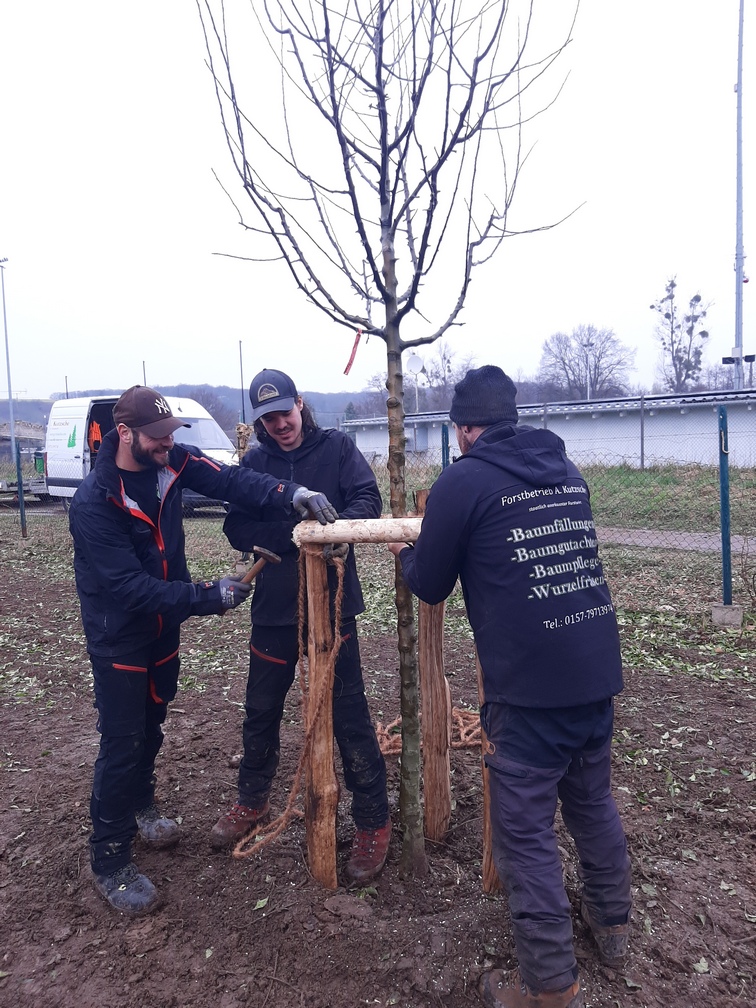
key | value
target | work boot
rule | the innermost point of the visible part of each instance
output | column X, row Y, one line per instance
column 368, row 854
column 611, row 942
column 234, row 825
column 156, row 829
column 501, row 989
column 127, row 891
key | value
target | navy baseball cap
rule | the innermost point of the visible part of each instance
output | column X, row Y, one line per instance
column 272, row 392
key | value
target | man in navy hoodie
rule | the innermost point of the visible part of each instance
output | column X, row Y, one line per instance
column 512, row 519
column 292, row 446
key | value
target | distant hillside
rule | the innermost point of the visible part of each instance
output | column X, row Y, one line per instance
column 33, row 411
column 329, row 407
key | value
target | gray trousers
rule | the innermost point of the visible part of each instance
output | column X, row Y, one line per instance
column 523, row 807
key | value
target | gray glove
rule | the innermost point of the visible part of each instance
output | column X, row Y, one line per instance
column 335, row 551
column 312, row 504
column 233, row 592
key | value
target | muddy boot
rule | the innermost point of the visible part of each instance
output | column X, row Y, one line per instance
column 503, row 989
column 611, row 942
column 369, row 852
column 156, row 829
column 234, row 825
column 127, row 891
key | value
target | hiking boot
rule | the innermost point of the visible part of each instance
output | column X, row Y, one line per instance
column 502, row 989
column 368, row 854
column 127, row 891
column 234, row 825
column 611, row 942
column 156, row 829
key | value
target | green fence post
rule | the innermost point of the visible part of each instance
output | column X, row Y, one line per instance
column 724, row 507
column 444, row 445
column 19, row 477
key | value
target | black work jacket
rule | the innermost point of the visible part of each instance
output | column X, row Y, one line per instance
column 131, row 573
column 330, row 462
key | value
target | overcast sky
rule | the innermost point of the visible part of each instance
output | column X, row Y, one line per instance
column 111, row 217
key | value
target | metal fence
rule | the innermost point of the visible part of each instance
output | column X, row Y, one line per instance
column 669, row 498
column 672, row 502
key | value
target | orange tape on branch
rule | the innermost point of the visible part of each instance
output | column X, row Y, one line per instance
column 357, row 339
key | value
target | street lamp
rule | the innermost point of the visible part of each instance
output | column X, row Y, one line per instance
column 587, row 346
column 415, row 366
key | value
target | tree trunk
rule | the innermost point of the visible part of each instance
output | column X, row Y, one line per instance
column 413, row 860
column 321, row 786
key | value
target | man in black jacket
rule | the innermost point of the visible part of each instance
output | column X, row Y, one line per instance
column 293, row 446
column 135, row 591
column 512, row 519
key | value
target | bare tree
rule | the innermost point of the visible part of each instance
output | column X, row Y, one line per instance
column 682, row 338
column 381, row 170
column 224, row 416
column 589, row 363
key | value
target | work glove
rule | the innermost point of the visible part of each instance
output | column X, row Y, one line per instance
column 335, row 551
column 312, row 504
column 233, row 592
column 217, row 597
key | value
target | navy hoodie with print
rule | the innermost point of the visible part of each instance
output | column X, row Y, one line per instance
column 512, row 519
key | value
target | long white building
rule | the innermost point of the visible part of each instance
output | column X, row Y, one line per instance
column 638, row 431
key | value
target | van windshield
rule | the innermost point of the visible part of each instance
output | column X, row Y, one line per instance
column 205, row 434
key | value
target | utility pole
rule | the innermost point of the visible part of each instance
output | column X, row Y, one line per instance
column 587, row 346
column 241, row 377
column 11, row 418
column 737, row 351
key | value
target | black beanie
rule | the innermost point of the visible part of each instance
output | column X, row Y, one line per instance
column 485, row 396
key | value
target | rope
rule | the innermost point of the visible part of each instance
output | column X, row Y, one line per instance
column 465, row 732
column 261, row 836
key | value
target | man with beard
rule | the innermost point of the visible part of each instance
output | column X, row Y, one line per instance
column 135, row 591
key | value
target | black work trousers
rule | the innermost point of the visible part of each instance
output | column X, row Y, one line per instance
column 272, row 664
column 132, row 693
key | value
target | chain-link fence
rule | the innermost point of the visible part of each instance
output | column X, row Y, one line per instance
column 654, row 477
column 654, row 480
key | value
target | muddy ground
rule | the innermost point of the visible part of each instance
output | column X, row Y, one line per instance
column 260, row 932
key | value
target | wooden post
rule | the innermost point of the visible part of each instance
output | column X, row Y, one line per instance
column 321, row 786
column 436, row 707
column 491, row 881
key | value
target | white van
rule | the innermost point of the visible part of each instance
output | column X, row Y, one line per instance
column 76, row 427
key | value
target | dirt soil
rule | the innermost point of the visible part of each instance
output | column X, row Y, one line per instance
column 260, row 932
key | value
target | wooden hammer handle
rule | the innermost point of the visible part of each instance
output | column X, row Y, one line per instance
column 253, row 571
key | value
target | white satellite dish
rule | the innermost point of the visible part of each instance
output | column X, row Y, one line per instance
column 415, row 364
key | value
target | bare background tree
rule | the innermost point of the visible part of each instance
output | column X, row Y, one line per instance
column 588, row 363
column 224, row 416
column 682, row 339
column 380, row 168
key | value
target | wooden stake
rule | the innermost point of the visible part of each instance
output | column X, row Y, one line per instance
column 436, row 707
column 321, row 786
column 491, row 881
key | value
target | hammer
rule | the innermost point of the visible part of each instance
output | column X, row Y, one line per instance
column 266, row 556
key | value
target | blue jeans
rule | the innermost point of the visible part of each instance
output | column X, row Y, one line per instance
column 272, row 663
column 132, row 693
column 535, row 758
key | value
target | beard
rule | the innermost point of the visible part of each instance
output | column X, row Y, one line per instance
column 146, row 457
